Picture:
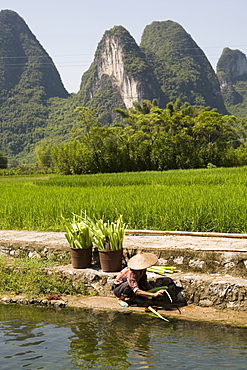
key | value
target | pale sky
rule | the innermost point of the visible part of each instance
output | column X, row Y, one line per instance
column 71, row 30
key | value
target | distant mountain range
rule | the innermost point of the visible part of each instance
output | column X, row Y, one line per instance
column 168, row 64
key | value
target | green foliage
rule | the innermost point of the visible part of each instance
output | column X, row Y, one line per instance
column 72, row 158
column 3, row 161
column 181, row 136
column 23, row 171
column 43, row 153
column 180, row 66
column 78, row 233
column 87, row 119
column 30, row 277
column 35, row 282
column 106, row 233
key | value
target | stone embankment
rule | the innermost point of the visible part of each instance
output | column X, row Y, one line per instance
column 211, row 268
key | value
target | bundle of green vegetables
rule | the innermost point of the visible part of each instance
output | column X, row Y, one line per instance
column 161, row 269
column 111, row 233
column 105, row 234
column 78, row 233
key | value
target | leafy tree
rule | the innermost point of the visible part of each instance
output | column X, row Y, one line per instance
column 181, row 136
column 87, row 119
column 43, row 154
column 238, row 157
column 72, row 158
column 3, row 161
column 143, row 107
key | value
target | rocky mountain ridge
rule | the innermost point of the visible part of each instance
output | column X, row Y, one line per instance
column 121, row 67
column 23, row 60
column 167, row 65
column 232, row 75
column 110, row 62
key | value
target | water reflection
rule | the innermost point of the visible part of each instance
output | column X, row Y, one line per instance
column 35, row 338
column 106, row 339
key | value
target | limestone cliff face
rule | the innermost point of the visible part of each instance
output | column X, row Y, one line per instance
column 232, row 64
column 119, row 62
column 167, row 65
column 231, row 70
column 111, row 63
column 240, row 66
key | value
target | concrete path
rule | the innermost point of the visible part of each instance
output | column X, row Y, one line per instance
column 197, row 242
column 156, row 240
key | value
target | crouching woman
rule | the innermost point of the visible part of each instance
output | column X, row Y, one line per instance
column 132, row 280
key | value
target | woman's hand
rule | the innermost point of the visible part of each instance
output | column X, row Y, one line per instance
column 159, row 293
column 144, row 293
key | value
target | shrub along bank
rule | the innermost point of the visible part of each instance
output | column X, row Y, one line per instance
column 32, row 277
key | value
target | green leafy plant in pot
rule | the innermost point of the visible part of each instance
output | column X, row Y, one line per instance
column 80, row 238
column 108, row 237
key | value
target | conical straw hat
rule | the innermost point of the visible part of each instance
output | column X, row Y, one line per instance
column 142, row 261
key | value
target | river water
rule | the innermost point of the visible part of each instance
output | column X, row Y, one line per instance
column 37, row 338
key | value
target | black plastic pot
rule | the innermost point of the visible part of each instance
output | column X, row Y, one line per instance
column 111, row 261
column 81, row 258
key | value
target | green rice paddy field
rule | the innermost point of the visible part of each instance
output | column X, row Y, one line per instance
column 186, row 200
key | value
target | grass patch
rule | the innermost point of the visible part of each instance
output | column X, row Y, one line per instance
column 187, row 200
column 30, row 277
column 42, row 262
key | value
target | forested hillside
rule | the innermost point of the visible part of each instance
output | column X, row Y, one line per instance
column 180, row 66
column 232, row 75
column 36, row 109
column 28, row 79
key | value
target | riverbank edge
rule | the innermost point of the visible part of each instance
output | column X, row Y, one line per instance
column 211, row 297
column 193, row 313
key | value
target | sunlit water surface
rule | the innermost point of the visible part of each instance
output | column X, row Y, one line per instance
column 36, row 338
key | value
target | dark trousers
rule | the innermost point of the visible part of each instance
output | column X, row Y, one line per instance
column 124, row 290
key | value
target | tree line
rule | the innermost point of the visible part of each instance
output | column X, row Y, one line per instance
column 182, row 136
